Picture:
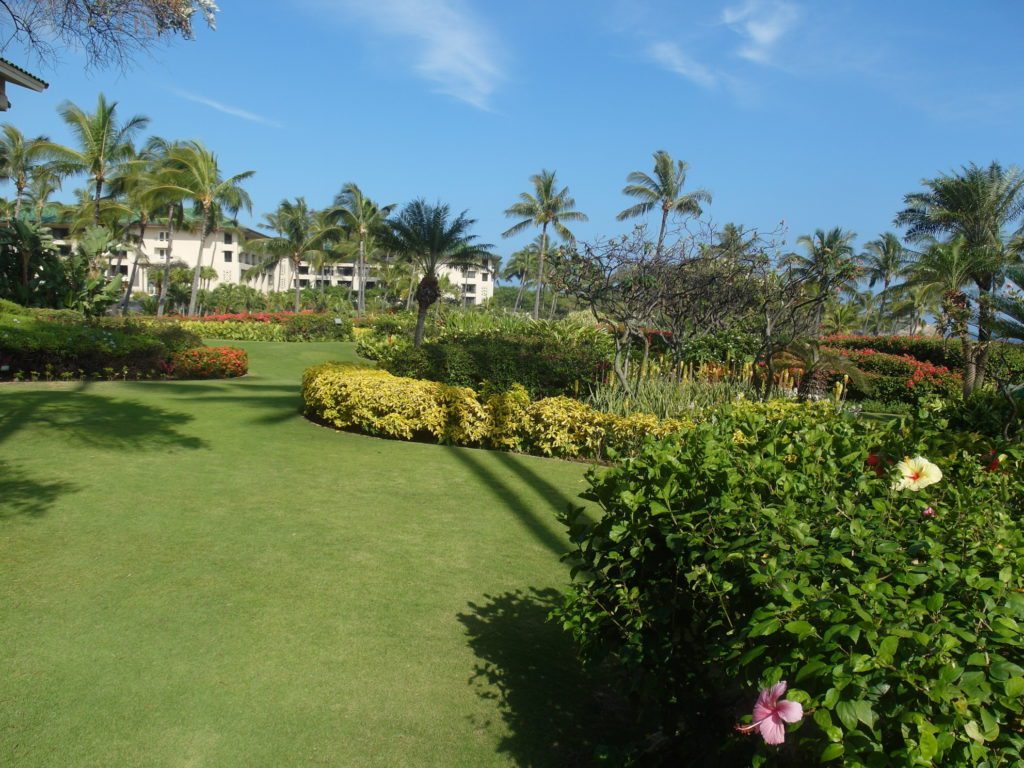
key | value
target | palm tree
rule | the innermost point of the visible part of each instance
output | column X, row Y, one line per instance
column 545, row 207
column 828, row 264
column 364, row 220
column 20, row 160
column 104, row 145
column 302, row 237
column 520, row 265
column 190, row 172
column 884, row 260
column 978, row 205
column 946, row 268
column 664, row 190
column 429, row 238
column 40, row 188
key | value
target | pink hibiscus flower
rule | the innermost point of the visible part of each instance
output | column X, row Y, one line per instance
column 771, row 714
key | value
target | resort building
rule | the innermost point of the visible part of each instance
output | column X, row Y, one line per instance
column 223, row 252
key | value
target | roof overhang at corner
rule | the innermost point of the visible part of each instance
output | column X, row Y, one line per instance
column 15, row 74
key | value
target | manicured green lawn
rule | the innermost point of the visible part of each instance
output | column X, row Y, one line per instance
column 191, row 574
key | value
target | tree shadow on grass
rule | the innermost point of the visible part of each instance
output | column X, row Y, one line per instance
column 22, row 495
column 554, row 498
column 95, row 420
column 555, row 712
column 275, row 403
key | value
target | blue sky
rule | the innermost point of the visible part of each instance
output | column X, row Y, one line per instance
column 817, row 113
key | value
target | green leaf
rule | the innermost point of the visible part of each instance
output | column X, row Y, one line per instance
column 831, row 752
column 800, row 628
column 974, row 732
column 1014, row 687
column 927, row 746
column 847, row 713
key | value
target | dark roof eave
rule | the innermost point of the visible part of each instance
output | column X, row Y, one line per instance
column 12, row 73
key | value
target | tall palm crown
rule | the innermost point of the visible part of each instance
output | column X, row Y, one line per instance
column 884, row 260
column 20, row 160
column 546, row 207
column 302, row 236
column 979, row 206
column 429, row 237
column 663, row 190
column 946, row 269
column 103, row 144
column 828, row 264
column 364, row 220
column 190, row 171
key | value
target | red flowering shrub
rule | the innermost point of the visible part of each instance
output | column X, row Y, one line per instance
column 209, row 363
column 938, row 351
column 900, row 378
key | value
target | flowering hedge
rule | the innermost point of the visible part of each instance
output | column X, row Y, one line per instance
column 209, row 363
column 799, row 553
column 938, row 351
column 375, row 402
column 901, row 378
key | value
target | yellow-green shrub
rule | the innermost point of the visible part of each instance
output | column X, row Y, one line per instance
column 561, row 426
column 626, row 434
column 374, row 401
column 509, row 412
column 466, row 419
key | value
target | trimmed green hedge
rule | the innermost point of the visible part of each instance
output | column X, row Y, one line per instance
column 544, row 364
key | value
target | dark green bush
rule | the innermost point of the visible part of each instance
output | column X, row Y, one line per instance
column 172, row 335
column 319, row 327
column 761, row 547
column 32, row 347
column 545, row 364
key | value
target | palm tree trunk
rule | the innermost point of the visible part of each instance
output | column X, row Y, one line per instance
column 540, row 270
column 161, row 303
column 298, row 288
column 881, row 307
column 361, row 269
column 519, row 293
column 661, row 232
column 96, row 203
column 554, row 303
column 135, row 267
column 17, row 199
column 199, row 264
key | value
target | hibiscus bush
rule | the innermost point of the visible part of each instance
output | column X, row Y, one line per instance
column 209, row 363
column 875, row 568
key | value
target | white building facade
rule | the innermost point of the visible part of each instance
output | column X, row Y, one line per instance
column 222, row 251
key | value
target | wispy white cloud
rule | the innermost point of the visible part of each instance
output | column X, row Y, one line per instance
column 674, row 59
column 762, row 24
column 227, row 109
column 453, row 48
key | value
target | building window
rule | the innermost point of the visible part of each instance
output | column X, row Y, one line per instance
column 161, row 253
column 485, row 276
column 471, row 274
column 227, row 256
column 303, row 269
column 161, row 236
column 470, row 288
column 228, row 238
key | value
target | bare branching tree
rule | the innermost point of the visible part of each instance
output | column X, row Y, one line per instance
column 108, row 32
